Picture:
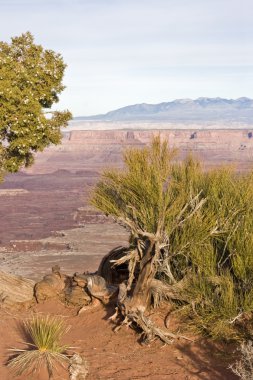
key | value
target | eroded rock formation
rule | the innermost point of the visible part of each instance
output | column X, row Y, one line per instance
column 78, row 290
column 52, row 286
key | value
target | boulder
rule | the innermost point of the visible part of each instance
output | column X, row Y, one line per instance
column 52, row 286
column 77, row 296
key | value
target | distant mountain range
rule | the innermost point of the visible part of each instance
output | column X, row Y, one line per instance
column 182, row 111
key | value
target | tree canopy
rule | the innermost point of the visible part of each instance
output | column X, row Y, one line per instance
column 30, row 83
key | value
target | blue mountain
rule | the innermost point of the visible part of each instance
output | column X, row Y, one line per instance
column 183, row 110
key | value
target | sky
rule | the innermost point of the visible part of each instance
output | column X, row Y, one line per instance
column 122, row 52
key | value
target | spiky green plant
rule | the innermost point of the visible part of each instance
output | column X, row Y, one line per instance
column 45, row 348
column 190, row 228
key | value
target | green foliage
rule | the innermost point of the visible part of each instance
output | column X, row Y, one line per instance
column 30, row 81
column 203, row 222
column 138, row 193
column 45, row 350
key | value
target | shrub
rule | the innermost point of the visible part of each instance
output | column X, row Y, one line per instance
column 190, row 228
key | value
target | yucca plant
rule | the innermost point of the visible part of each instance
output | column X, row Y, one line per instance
column 44, row 349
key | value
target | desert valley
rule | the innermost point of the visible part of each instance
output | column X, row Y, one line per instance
column 47, row 220
column 54, row 193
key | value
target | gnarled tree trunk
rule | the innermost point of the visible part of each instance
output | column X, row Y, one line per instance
column 141, row 298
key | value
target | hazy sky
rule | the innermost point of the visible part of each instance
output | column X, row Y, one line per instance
column 122, row 52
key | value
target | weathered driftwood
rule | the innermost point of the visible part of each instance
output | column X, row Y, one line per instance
column 15, row 290
column 96, row 286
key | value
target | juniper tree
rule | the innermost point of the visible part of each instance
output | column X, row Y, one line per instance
column 30, row 83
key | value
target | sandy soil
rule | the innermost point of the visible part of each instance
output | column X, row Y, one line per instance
column 118, row 356
column 110, row 356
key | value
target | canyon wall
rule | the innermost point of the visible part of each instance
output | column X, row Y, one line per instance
column 54, row 193
column 92, row 150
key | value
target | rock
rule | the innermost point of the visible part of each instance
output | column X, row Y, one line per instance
column 77, row 296
column 78, row 369
column 80, row 280
column 15, row 290
column 52, row 286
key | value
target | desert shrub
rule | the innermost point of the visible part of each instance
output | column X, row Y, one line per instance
column 44, row 348
column 201, row 226
column 244, row 367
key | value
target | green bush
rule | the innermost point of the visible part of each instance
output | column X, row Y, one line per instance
column 203, row 225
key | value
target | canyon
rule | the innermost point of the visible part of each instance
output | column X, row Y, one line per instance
column 87, row 152
column 53, row 194
column 46, row 220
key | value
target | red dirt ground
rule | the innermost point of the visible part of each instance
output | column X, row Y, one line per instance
column 118, row 356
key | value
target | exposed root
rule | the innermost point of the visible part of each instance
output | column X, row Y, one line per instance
column 150, row 331
column 114, row 317
column 126, row 322
column 95, row 303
